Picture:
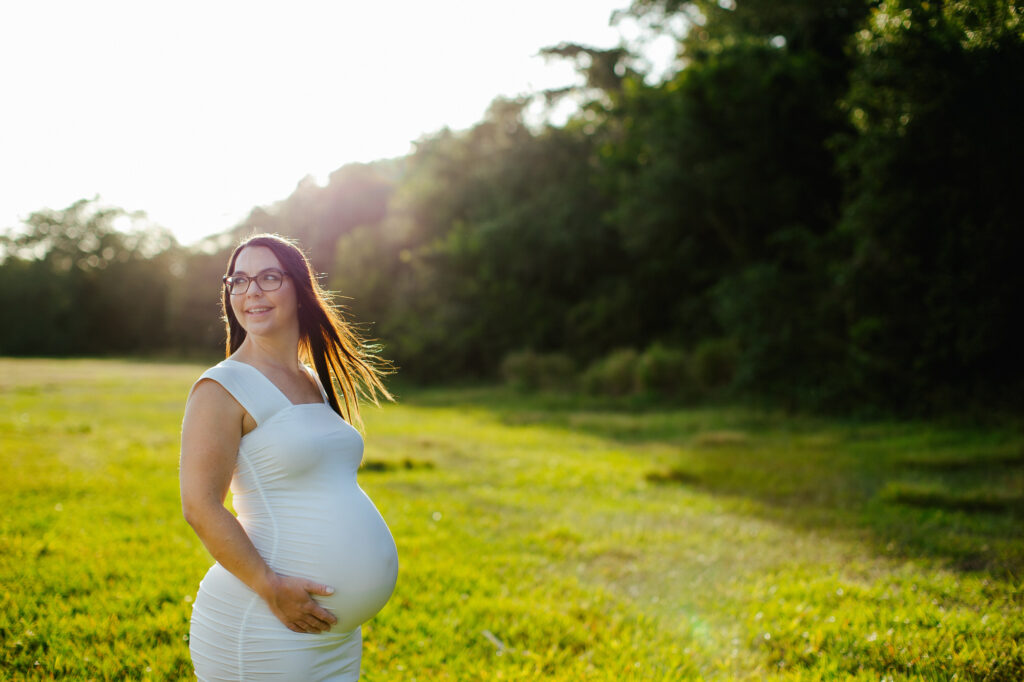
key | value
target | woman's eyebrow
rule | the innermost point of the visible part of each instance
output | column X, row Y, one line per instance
column 243, row 272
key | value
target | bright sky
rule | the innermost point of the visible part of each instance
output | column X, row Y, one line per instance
column 195, row 112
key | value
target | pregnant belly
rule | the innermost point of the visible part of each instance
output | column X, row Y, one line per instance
column 363, row 569
column 342, row 542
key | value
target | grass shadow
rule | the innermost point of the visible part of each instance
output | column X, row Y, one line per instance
column 385, row 466
column 915, row 489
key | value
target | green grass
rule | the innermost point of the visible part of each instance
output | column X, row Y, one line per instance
column 540, row 537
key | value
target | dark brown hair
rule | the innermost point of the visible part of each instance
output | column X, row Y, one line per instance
column 326, row 340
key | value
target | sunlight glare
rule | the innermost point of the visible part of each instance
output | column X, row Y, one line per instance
column 196, row 113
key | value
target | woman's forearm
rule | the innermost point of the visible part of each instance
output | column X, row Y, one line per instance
column 289, row 597
column 228, row 543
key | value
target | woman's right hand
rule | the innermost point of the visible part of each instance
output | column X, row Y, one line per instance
column 290, row 599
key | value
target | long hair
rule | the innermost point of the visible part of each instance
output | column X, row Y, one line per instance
column 326, row 339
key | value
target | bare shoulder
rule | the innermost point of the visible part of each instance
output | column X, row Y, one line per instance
column 209, row 396
column 210, row 389
column 211, row 408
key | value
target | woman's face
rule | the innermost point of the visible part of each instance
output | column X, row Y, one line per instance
column 264, row 313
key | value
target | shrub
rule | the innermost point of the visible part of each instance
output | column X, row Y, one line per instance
column 714, row 363
column 527, row 370
column 665, row 370
column 614, row 374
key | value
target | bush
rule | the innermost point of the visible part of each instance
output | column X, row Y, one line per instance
column 665, row 371
column 714, row 363
column 614, row 374
column 527, row 370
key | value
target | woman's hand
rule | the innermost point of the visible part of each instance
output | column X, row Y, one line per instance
column 290, row 600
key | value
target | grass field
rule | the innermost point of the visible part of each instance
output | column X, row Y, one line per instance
column 542, row 537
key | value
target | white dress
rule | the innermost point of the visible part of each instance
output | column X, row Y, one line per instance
column 295, row 492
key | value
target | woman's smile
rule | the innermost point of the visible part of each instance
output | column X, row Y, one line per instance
column 258, row 311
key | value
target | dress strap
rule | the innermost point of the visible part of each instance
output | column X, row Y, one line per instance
column 249, row 387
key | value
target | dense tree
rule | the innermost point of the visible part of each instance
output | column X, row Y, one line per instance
column 73, row 283
column 934, row 282
column 726, row 188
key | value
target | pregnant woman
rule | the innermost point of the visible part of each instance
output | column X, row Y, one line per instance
column 308, row 558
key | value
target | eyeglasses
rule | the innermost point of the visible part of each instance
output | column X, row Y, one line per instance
column 270, row 279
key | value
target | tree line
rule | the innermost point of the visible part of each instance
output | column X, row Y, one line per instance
column 826, row 187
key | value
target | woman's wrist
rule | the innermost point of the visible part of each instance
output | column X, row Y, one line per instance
column 266, row 584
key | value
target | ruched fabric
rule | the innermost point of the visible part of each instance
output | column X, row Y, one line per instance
column 295, row 492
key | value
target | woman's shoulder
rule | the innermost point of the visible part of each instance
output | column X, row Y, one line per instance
column 213, row 404
column 244, row 384
column 215, row 380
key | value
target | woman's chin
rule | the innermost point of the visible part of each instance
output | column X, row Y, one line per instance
column 261, row 327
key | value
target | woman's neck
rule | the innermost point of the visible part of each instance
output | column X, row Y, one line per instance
column 275, row 352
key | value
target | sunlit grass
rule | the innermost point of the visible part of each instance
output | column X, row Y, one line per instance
column 545, row 537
